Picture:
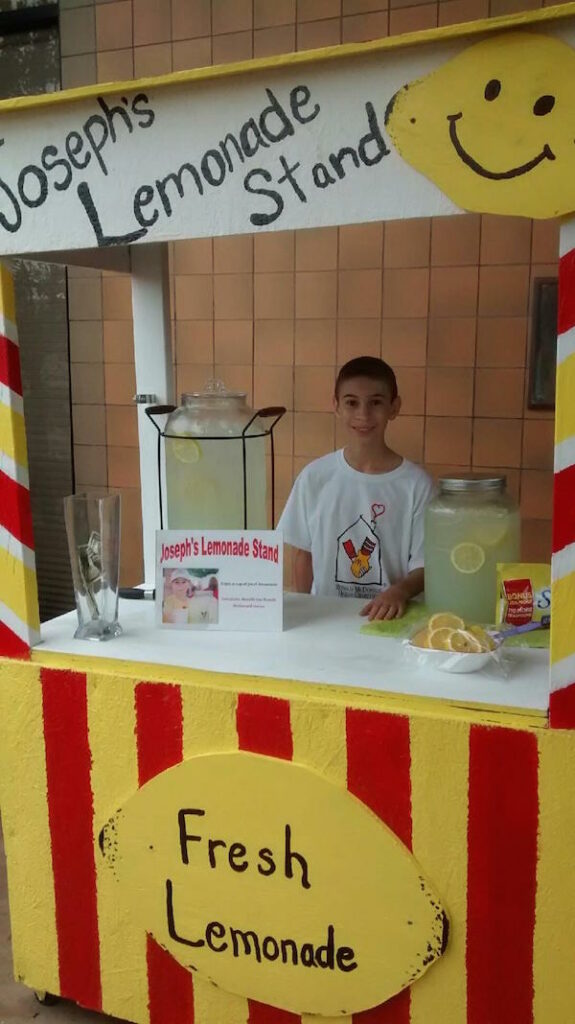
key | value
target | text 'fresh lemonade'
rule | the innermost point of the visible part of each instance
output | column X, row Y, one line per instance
column 470, row 526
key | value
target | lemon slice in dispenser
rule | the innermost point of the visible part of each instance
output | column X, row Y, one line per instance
column 467, row 557
column 186, row 449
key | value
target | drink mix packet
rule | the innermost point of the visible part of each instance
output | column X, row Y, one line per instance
column 523, row 593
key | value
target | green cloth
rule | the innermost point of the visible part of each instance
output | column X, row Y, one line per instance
column 417, row 614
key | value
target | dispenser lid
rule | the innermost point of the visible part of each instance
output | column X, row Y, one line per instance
column 472, row 483
column 213, row 388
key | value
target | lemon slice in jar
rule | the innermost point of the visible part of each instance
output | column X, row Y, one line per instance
column 467, row 557
column 445, row 619
column 186, row 449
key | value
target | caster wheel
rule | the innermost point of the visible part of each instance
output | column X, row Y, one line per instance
column 46, row 998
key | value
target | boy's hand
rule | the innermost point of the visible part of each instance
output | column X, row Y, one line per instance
column 390, row 604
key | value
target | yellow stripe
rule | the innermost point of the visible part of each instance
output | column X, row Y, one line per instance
column 7, row 301
column 13, row 435
column 563, row 618
column 18, row 589
column 554, row 937
column 319, row 743
column 439, row 779
column 398, row 703
column 565, row 411
column 111, row 724
column 209, row 725
column 295, row 60
column 23, row 798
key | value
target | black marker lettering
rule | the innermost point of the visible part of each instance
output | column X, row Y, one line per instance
column 15, row 226
column 143, row 112
column 177, row 179
column 267, row 856
column 110, row 113
column 275, row 109
column 299, row 96
column 290, row 856
column 85, row 197
column 289, row 176
column 209, row 175
column 74, row 146
column 143, row 197
column 40, row 184
column 373, row 135
column 185, row 836
column 321, row 176
column 259, row 219
column 50, row 165
column 172, row 922
column 336, row 159
column 97, row 140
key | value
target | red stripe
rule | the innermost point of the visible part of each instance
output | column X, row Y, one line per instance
column 564, row 508
column 562, row 708
column 11, row 646
column 15, row 510
column 379, row 773
column 71, row 812
column 159, row 734
column 264, row 727
column 261, row 1013
column 10, row 365
column 502, row 865
column 566, row 310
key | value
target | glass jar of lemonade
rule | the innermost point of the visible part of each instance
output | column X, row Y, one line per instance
column 470, row 526
column 204, row 462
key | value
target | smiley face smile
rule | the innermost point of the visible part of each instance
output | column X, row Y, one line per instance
column 545, row 154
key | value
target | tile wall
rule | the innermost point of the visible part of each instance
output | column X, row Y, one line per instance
column 446, row 301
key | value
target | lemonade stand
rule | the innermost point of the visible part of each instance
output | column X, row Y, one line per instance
column 294, row 827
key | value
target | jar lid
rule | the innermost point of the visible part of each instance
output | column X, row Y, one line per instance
column 213, row 388
column 472, row 483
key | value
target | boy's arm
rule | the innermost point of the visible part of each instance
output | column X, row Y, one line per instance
column 303, row 572
column 391, row 603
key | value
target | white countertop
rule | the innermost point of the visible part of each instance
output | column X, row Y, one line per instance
column 321, row 643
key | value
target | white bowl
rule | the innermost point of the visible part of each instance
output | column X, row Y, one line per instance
column 451, row 661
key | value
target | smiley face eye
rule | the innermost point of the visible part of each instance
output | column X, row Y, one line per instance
column 492, row 89
column 544, row 105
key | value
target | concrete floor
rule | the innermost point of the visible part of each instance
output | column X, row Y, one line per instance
column 18, row 1005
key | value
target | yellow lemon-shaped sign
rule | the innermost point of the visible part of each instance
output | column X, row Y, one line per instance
column 274, row 884
column 493, row 127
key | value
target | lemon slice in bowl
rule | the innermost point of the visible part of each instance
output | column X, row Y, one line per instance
column 467, row 557
column 421, row 639
column 186, row 449
column 481, row 634
column 439, row 638
column 447, row 619
column 465, row 642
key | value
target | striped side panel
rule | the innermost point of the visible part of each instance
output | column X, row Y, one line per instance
column 379, row 773
column 70, row 808
column 264, row 727
column 26, row 828
column 502, row 875
column 159, row 731
column 114, row 776
column 554, row 939
column 562, row 698
column 19, row 614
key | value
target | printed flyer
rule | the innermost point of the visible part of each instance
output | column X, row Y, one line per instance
column 219, row 579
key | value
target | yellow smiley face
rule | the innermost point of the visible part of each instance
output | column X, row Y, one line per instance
column 494, row 127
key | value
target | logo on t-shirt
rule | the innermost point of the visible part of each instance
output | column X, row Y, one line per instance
column 358, row 559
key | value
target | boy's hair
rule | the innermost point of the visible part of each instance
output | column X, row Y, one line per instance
column 370, row 367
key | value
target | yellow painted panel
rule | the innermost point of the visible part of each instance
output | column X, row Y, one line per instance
column 272, row 873
column 23, row 789
column 319, row 740
column 209, row 720
column 563, row 618
column 114, row 777
column 7, row 301
column 565, row 412
column 439, row 781
column 18, row 589
column 554, row 938
column 13, row 435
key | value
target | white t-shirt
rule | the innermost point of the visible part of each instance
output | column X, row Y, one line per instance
column 364, row 530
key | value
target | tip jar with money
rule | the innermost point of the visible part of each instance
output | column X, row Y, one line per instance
column 470, row 526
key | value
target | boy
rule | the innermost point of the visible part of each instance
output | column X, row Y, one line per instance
column 355, row 516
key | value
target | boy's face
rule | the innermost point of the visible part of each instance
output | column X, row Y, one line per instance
column 365, row 407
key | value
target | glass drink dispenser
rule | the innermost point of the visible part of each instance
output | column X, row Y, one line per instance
column 215, row 461
column 470, row 526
